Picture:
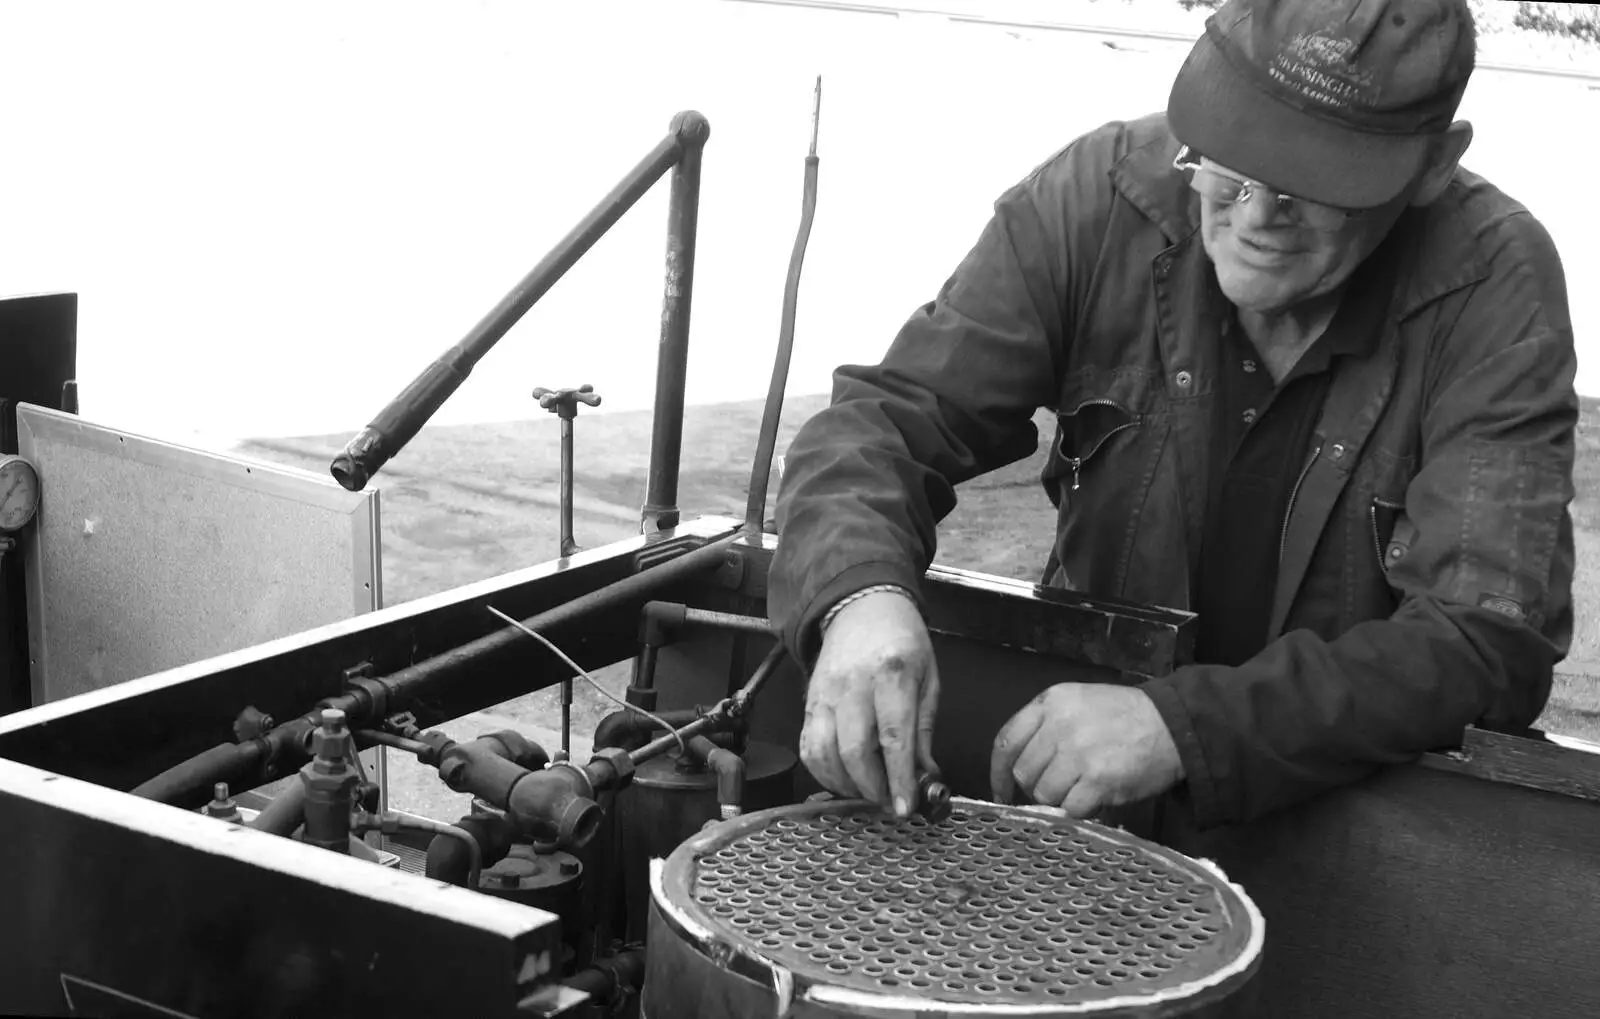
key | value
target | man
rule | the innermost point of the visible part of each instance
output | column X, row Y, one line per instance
column 1313, row 382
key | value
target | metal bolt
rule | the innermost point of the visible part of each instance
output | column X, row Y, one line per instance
column 333, row 719
column 933, row 799
column 220, row 791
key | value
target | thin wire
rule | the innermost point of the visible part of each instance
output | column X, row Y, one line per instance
column 541, row 638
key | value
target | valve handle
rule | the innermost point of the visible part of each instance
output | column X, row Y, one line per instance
column 558, row 401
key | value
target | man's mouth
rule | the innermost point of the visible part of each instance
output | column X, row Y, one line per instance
column 1263, row 248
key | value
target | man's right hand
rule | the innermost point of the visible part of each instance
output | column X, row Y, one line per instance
column 871, row 703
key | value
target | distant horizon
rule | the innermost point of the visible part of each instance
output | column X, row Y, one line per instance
column 279, row 253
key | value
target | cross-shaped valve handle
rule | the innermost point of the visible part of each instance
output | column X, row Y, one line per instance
column 564, row 402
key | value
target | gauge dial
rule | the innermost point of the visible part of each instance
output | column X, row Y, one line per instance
column 19, row 493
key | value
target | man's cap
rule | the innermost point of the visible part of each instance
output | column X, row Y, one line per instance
column 1336, row 101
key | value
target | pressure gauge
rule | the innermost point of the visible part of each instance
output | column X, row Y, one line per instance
column 19, row 493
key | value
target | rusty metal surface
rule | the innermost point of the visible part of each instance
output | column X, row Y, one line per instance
column 999, row 907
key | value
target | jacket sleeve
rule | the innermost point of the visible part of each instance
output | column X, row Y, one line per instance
column 867, row 479
column 1485, row 588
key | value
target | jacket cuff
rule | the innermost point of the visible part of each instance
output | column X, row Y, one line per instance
column 1199, row 781
column 805, row 634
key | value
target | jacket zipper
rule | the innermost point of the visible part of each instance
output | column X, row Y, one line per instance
column 1283, row 542
column 1078, row 462
column 1383, row 561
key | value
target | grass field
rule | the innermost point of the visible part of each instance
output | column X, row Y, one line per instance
column 468, row 502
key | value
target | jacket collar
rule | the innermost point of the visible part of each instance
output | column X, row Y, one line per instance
column 1145, row 178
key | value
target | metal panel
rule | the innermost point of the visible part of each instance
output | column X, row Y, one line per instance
column 222, row 920
column 146, row 556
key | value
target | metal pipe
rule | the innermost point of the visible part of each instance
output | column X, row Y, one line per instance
column 390, row 822
column 729, row 769
column 729, row 708
column 190, row 783
column 405, row 415
column 767, row 439
column 660, row 510
column 758, row 679
column 662, row 616
column 621, row 728
column 413, row 680
column 289, row 741
column 661, row 745
column 568, row 544
column 728, row 621
column 286, row 812
column 613, row 978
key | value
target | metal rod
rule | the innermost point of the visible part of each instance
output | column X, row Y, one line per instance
column 660, row 510
column 660, row 745
column 405, row 415
column 758, row 679
column 568, row 545
column 767, row 440
column 728, row 621
column 566, row 719
column 413, row 680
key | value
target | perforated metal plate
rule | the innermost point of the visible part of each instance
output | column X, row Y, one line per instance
column 997, row 906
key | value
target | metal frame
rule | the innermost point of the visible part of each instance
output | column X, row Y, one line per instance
column 225, row 920
column 37, row 425
column 680, row 151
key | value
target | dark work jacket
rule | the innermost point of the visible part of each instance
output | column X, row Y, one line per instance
column 1427, row 555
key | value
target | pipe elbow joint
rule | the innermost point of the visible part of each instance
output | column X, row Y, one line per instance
column 558, row 804
column 729, row 769
column 692, row 128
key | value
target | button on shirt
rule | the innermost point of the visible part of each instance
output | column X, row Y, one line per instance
column 1262, row 439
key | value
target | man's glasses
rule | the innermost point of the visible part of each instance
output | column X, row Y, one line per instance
column 1228, row 189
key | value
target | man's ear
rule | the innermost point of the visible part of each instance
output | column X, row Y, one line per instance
column 1447, row 153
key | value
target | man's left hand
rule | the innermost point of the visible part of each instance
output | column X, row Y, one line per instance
column 1083, row 747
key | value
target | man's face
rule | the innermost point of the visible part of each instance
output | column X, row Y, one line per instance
column 1268, row 263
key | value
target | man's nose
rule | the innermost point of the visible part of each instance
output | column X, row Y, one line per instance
column 1261, row 209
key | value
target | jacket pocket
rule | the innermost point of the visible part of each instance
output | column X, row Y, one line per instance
column 1392, row 532
column 1083, row 432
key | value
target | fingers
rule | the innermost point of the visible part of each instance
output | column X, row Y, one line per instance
column 1060, row 780
column 927, row 711
column 1032, row 762
column 1008, row 746
column 819, row 749
column 1083, row 800
column 894, row 699
column 857, row 725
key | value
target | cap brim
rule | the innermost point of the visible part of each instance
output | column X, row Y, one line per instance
column 1217, row 111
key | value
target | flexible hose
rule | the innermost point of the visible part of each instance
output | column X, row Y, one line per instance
column 767, row 441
